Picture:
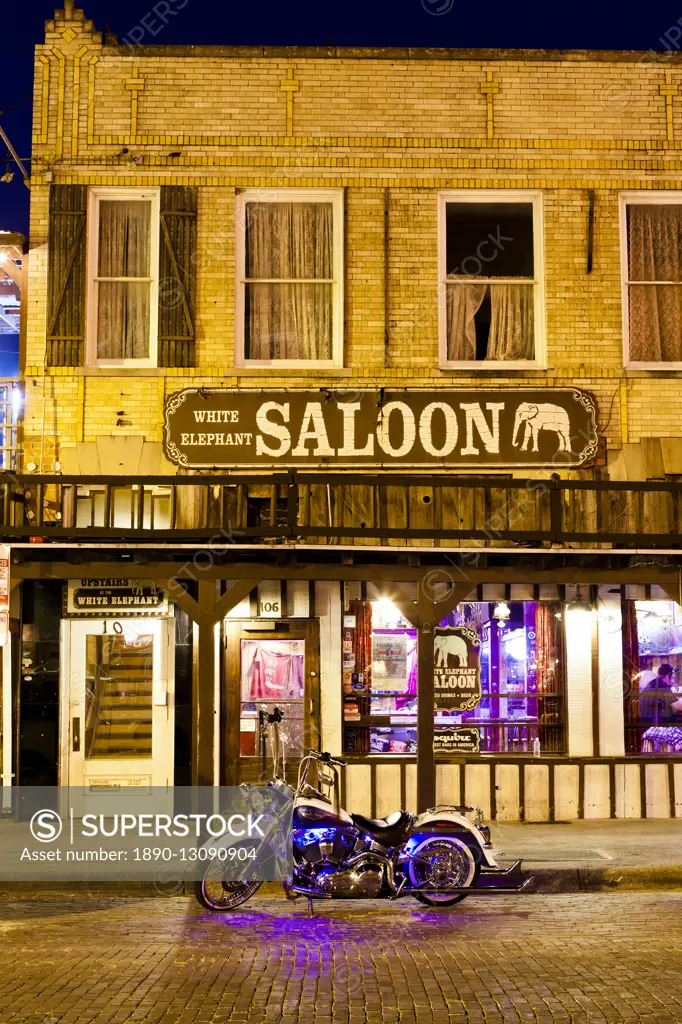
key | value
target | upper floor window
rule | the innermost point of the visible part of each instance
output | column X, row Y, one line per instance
column 123, row 266
column 491, row 264
column 651, row 240
column 289, row 277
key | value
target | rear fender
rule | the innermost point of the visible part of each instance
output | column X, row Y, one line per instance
column 452, row 824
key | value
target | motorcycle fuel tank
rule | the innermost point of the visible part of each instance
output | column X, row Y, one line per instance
column 316, row 813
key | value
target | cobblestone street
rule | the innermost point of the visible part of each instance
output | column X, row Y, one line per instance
column 602, row 959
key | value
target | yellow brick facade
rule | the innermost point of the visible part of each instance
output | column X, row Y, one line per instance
column 392, row 128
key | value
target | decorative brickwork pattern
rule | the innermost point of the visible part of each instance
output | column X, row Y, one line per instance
column 392, row 128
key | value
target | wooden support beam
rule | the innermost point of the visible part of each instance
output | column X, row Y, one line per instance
column 203, row 688
column 234, row 596
column 426, row 761
column 673, row 588
column 667, row 578
column 223, row 604
column 432, row 607
column 404, row 603
column 179, row 596
column 206, row 612
column 446, row 602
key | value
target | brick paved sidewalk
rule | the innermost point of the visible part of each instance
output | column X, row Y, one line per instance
column 575, row 959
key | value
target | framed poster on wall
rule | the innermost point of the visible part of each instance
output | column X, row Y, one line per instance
column 391, row 650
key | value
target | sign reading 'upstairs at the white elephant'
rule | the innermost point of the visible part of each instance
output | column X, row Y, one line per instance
column 500, row 427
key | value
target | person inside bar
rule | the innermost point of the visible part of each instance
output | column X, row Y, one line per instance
column 660, row 706
column 657, row 702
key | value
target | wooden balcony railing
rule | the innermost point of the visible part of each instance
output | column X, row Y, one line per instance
column 321, row 508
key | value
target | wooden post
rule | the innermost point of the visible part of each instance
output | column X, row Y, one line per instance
column 203, row 688
column 426, row 765
column 205, row 613
column 431, row 609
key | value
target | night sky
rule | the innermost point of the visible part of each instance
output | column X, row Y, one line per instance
column 580, row 25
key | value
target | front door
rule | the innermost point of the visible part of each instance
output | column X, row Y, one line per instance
column 120, row 700
column 265, row 669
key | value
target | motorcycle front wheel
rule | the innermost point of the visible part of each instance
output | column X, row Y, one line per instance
column 443, row 862
column 216, row 893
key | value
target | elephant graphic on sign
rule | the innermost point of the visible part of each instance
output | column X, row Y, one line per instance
column 446, row 646
column 543, row 416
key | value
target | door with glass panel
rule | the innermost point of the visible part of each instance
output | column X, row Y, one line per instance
column 268, row 669
column 120, row 704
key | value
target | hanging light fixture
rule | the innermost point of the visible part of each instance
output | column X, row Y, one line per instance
column 579, row 603
column 502, row 614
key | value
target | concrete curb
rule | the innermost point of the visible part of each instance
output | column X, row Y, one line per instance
column 571, row 878
column 546, row 880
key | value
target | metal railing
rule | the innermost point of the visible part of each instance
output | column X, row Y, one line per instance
column 332, row 509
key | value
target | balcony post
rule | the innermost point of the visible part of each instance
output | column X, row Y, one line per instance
column 206, row 612
column 432, row 606
column 203, row 688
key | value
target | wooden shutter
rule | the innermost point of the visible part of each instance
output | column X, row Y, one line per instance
column 66, row 275
column 177, row 275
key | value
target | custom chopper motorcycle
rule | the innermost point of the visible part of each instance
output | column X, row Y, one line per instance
column 439, row 857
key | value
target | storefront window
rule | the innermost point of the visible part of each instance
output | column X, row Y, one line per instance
column 652, row 640
column 522, row 705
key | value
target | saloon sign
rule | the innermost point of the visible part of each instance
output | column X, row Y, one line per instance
column 456, row 668
column 502, row 427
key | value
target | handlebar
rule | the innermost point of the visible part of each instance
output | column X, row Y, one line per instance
column 326, row 758
column 275, row 718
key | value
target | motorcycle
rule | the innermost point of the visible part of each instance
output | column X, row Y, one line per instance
column 439, row 857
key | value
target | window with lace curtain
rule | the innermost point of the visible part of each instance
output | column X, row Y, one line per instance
column 123, row 261
column 289, row 277
column 491, row 284
column 651, row 241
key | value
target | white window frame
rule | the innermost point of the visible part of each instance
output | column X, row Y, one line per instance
column 638, row 198
column 533, row 197
column 96, row 195
column 291, row 195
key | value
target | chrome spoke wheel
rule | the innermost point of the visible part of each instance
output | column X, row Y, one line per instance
column 216, row 892
column 442, row 863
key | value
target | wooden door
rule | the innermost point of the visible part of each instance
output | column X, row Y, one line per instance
column 264, row 669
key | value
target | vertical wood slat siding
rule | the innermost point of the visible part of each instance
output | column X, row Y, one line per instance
column 67, row 243
column 177, row 275
column 567, row 788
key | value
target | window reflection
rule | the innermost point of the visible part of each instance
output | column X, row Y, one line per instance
column 652, row 639
column 521, row 678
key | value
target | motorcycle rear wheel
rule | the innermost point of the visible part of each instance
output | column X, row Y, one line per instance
column 446, row 861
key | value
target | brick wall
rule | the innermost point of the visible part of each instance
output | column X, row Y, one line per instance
column 392, row 128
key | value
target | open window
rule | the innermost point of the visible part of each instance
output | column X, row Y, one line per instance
column 491, row 289
column 123, row 268
column 651, row 268
column 289, row 277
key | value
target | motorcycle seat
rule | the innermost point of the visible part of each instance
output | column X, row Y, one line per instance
column 390, row 831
